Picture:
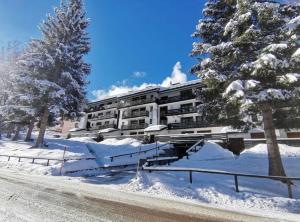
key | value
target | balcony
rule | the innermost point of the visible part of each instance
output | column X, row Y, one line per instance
column 110, row 116
column 110, row 106
column 106, row 126
column 176, row 99
column 187, row 125
column 173, row 112
column 134, row 126
column 135, row 114
column 137, row 102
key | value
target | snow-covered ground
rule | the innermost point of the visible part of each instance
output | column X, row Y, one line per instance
column 258, row 196
column 266, row 197
column 76, row 148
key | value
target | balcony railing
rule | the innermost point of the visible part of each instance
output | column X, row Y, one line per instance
column 110, row 106
column 137, row 102
column 134, row 126
column 176, row 99
column 181, row 111
column 106, row 126
column 187, row 125
column 110, row 116
column 135, row 114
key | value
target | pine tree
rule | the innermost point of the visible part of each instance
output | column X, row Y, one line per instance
column 262, row 71
column 54, row 68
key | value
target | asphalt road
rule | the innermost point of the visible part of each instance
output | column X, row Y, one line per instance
column 41, row 198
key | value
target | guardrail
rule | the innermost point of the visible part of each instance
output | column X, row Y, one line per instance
column 137, row 152
column 287, row 180
column 44, row 158
column 194, row 147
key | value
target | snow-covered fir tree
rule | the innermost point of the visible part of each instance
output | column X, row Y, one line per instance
column 261, row 45
column 54, row 70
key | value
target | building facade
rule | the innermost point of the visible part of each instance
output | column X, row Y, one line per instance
column 134, row 113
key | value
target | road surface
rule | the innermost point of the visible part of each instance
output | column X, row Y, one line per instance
column 43, row 198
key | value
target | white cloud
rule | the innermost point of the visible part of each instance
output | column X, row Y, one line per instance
column 116, row 90
column 177, row 76
column 139, row 74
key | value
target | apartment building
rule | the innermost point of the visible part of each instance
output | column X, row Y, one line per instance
column 139, row 112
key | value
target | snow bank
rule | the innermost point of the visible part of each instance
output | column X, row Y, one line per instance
column 259, row 196
column 111, row 147
column 54, row 150
column 260, row 151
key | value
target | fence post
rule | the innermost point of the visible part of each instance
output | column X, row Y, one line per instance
column 8, row 158
column 289, row 189
column 32, row 160
column 191, row 176
column 236, row 183
column 63, row 160
column 156, row 151
column 19, row 159
column 48, row 162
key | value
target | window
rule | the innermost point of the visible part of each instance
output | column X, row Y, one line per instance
column 134, row 122
column 187, row 132
column 142, row 121
column 133, row 133
column 99, row 124
column 141, row 133
column 150, row 121
column 186, row 107
column 204, row 131
column 187, row 120
column 106, row 123
column 186, row 93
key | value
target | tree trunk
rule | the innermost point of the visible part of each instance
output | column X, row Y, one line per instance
column 16, row 136
column 29, row 131
column 275, row 162
column 43, row 126
column 9, row 131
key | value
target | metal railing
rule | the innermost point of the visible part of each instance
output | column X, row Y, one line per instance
column 45, row 158
column 109, row 116
column 181, row 111
column 136, row 152
column 134, row 126
column 287, row 180
column 137, row 102
column 187, row 125
column 176, row 99
column 135, row 114
column 114, row 126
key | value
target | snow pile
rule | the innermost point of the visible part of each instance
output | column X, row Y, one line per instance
column 112, row 147
column 256, row 196
column 210, row 151
column 155, row 128
column 260, row 151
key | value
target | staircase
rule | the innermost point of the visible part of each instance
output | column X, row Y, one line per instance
column 181, row 148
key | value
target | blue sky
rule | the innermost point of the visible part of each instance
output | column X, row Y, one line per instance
column 133, row 41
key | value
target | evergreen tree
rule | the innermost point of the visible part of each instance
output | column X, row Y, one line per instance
column 262, row 70
column 54, row 72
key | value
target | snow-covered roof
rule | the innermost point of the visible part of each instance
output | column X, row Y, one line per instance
column 150, row 88
column 155, row 128
column 179, row 85
column 107, row 130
